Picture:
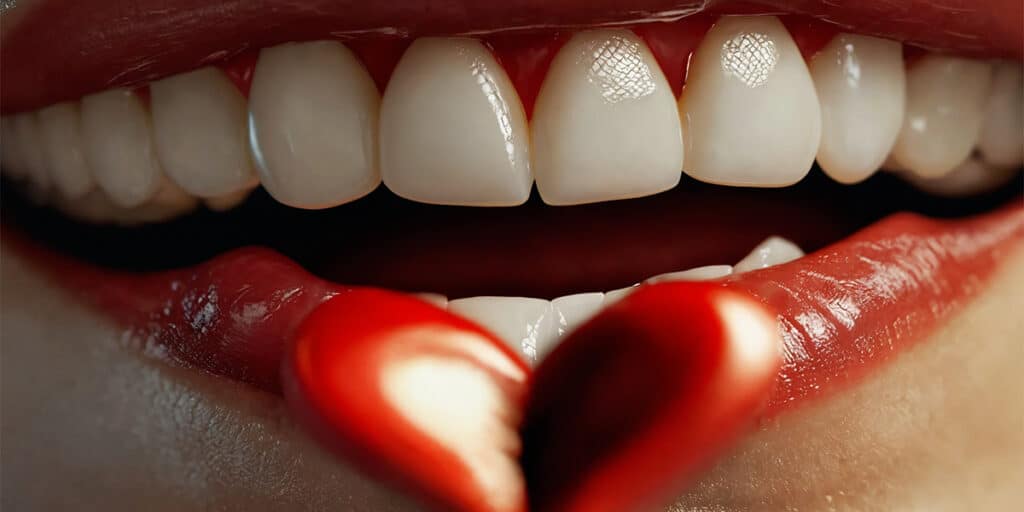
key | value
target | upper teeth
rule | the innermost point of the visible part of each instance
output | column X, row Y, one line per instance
column 451, row 129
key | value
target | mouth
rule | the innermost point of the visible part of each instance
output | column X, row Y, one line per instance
column 548, row 173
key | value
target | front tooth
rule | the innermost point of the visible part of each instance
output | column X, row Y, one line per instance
column 972, row 177
column 61, row 132
column 573, row 310
column 119, row 147
column 750, row 112
column 861, row 88
column 1002, row 133
column 200, row 130
column 773, row 251
column 605, row 125
column 707, row 273
column 525, row 324
column 619, row 294
column 945, row 105
column 452, row 128
column 313, row 124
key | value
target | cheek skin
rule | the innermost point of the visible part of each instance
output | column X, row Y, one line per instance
column 89, row 422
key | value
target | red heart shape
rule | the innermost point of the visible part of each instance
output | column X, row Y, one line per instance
column 617, row 418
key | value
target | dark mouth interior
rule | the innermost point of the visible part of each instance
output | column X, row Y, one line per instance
column 534, row 250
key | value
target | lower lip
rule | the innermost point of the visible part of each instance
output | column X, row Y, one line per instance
column 836, row 307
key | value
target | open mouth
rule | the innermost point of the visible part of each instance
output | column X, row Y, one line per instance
column 532, row 168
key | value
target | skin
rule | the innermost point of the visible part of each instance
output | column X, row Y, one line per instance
column 118, row 429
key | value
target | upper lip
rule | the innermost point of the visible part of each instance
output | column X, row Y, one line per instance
column 59, row 50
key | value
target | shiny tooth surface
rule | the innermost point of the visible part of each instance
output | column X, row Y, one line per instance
column 118, row 144
column 61, row 139
column 945, row 106
column 773, row 251
column 201, row 134
column 605, row 125
column 434, row 298
column 861, row 84
column 452, row 128
column 749, row 109
column 1001, row 141
column 706, row 273
column 571, row 311
column 523, row 323
column 313, row 124
column 228, row 201
column 28, row 153
column 974, row 176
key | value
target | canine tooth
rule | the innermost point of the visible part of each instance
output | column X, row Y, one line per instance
column 119, row 146
column 1002, row 133
column 706, row 273
column 945, row 107
column 228, row 201
column 605, row 125
column 861, row 84
column 773, row 251
column 61, row 131
column 619, row 294
column 573, row 310
column 452, row 128
column 525, row 324
column 972, row 177
column 434, row 298
column 201, row 133
column 313, row 124
column 750, row 111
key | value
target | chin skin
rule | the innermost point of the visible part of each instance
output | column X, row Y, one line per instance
column 91, row 421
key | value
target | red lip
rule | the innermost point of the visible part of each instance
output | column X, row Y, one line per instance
column 49, row 41
column 836, row 307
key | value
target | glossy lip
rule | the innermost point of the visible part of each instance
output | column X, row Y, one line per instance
column 55, row 50
column 837, row 308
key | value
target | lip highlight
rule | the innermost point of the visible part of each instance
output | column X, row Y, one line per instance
column 842, row 310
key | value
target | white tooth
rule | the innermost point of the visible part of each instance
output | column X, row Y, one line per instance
column 313, row 124
column 1002, row 133
column 94, row 207
column 229, row 201
column 617, row 295
column 707, row 273
column 201, row 134
column 434, row 298
column 861, row 84
column 523, row 323
column 571, row 311
column 605, row 125
column 773, row 251
column 28, row 155
column 170, row 201
column 119, row 146
column 452, row 128
column 972, row 177
column 61, row 131
column 945, row 105
column 750, row 112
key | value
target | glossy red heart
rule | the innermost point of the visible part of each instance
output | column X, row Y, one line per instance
column 619, row 417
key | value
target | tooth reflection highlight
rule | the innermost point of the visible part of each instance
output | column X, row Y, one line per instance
column 773, row 251
column 526, row 324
